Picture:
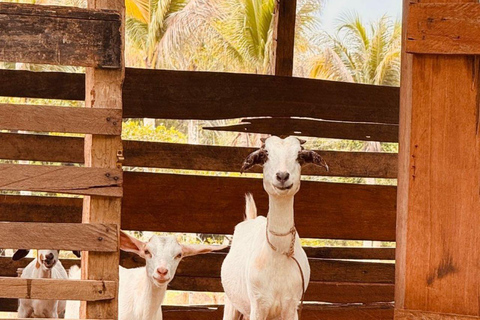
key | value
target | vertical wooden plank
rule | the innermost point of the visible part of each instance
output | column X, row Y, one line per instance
column 103, row 90
column 283, row 37
column 439, row 179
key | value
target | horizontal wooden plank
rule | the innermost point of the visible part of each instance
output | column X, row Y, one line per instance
column 75, row 36
column 323, row 210
column 67, row 236
column 310, row 312
column 213, row 95
column 60, row 119
column 424, row 315
column 62, row 179
column 444, row 28
column 88, row 290
column 182, row 203
column 352, row 253
column 191, row 157
column 315, row 128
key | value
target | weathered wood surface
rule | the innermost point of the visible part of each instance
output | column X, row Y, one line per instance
column 315, row 128
column 89, row 290
column 216, row 204
column 310, row 312
column 323, row 210
column 60, row 119
column 75, row 36
column 444, row 28
column 191, row 157
column 415, row 314
column 331, row 281
column 61, row 179
column 439, row 182
column 283, row 37
column 103, row 90
column 212, row 95
column 67, row 236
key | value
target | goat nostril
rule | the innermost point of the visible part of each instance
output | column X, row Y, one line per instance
column 162, row 271
column 49, row 256
column 283, row 176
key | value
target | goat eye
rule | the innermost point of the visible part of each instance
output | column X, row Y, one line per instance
column 178, row 256
column 147, row 253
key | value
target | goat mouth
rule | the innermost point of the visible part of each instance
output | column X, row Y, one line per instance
column 161, row 281
column 49, row 265
column 284, row 188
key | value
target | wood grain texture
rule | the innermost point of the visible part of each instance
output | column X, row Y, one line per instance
column 322, row 210
column 340, row 212
column 414, row 315
column 75, row 36
column 88, row 290
column 68, row 236
column 444, row 28
column 167, row 94
column 440, row 177
column 310, row 312
column 62, row 179
column 315, row 128
column 103, row 89
column 191, row 157
column 60, row 119
column 283, row 37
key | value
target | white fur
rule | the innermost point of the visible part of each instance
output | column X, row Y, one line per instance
column 142, row 290
column 259, row 282
column 36, row 269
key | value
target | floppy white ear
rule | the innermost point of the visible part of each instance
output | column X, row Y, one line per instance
column 131, row 244
column 194, row 249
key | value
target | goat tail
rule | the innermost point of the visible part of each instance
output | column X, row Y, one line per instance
column 250, row 207
column 75, row 273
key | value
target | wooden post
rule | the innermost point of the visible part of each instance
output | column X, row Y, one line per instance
column 438, row 243
column 283, row 37
column 103, row 90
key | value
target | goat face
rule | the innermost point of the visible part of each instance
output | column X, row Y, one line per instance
column 282, row 160
column 47, row 258
column 162, row 255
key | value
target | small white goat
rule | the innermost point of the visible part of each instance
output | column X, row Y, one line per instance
column 259, row 276
column 142, row 290
column 45, row 265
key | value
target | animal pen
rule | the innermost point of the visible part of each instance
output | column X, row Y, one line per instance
column 437, row 274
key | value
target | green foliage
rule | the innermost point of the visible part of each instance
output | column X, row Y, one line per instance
column 135, row 130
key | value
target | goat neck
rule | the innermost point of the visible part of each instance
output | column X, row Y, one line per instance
column 151, row 296
column 280, row 220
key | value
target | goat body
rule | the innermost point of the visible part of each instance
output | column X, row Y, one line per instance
column 33, row 308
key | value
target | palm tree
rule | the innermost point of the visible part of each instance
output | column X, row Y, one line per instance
column 228, row 35
column 360, row 53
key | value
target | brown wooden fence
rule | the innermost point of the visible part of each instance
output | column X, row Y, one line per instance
column 354, row 287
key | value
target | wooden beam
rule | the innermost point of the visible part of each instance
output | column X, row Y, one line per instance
column 414, row 314
column 104, row 90
column 166, row 94
column 60, row 119
column 283, row 41
column 89, row 290
column 438, row 211
column 190, row 157
column 343, row 211
column 62, row 179
column 315, row 128
column 75, row 36
column 323, row 210
column 68, row 236
column 444, row 28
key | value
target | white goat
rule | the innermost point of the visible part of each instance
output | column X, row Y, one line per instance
column 45, row 265
column 142, row 290
column 259, row 276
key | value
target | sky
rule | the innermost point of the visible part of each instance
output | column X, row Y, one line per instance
column 369, row 10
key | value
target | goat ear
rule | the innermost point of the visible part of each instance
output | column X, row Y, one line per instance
column 78, row 254
column 20, row 254
column 255, row 158
column 309, row 156
column 192, row 250
column 302, row 141
column 131, row 244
